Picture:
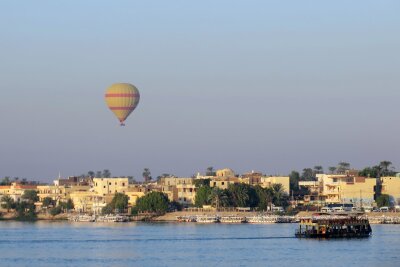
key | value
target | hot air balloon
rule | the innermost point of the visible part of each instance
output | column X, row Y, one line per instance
column 122, row 99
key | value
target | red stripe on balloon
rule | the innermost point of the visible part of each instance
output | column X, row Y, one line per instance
column 122, row 95
column 121, row 108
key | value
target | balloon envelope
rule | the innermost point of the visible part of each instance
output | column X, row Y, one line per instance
column 122, row 99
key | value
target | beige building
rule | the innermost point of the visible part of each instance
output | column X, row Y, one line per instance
column 106, row 186
column 15, row 190
column 224, row 182
column 267, row 182
column 173, row 181
column 225, row 173
column 186, row 194
column 391, row 187
column 341, row 188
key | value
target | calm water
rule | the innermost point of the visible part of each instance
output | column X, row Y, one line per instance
column 140, row 244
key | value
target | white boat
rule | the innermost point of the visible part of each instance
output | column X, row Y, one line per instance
column 232, row 219
column 262, row 219
column 207, row 219
column 82, row 218
column 112, row 218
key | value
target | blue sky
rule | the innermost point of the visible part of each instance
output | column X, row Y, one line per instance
column 252, row 85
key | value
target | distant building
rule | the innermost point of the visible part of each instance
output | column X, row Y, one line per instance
column 15, row 190
column 105, row 186
column 225, row 173
column 267, row 182
column 252, row 178
column 341, row 188
column 391, row 186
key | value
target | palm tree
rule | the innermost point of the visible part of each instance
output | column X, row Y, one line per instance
column 343, row 167
column 218, row 198
column 7, row 202
column 210, row 171
column 146, row 175
column 106, row 173
column 318, row 169
column 385, row 167
column 332, row 169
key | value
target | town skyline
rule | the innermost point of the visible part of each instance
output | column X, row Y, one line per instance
column 251, row 87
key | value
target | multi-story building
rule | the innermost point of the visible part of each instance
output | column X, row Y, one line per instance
column 225, row 173
column 173, row 181
column 391, row 186
column 224, row 182
column 341, row 189
column 15, row 190
column 186, row 194
column 106, row 186
column 267, row 182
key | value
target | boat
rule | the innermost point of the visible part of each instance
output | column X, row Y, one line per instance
column 112, row 218
column 262, row 219
column 82, row 218
column 232, row 219
column 346, row 225
column 207, row 219
column 189, row 218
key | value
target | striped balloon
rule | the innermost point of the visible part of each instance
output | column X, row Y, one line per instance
column 122, row 99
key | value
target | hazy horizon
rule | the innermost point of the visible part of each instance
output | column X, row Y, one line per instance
column 261, row 85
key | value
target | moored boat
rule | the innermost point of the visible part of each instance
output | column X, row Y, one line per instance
column 232, row 219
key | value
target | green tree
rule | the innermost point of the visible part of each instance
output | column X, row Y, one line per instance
column 210, row 171
column 120, row 202
column 7, row 203
column 294, row 178
column 373, row 172
column 99, row 174
column 343, row 167
column 48, row 201
column 332, row 169
column 218, row 198
column 153, row 202
column 308, row 175
column 69, row 205
column 108, row 209
column 55, row 211
column 146, row 175
column 25, row 211
column 202, row 182
column 318, row 169
column 106, row 173
column 30, row 196
column 243, row 195
column 264, row 197
column 202, row 196
column 383, row 201
column 91, row 174
column 280, row 198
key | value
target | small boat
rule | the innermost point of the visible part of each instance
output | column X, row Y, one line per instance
column 189, row 218
column 232, row 219
column 262, row 219
column 112, row 218
column 344, row 225
column 82, row 218
column 207, row 219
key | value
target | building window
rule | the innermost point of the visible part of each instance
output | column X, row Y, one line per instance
column 123, row 184
column 215, row 183
column 223, row 183
column 104, row 186
column 109, row 183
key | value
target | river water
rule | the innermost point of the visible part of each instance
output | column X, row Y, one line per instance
column 172, row 244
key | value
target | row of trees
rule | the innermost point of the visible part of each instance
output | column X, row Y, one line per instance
column 240, row 195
